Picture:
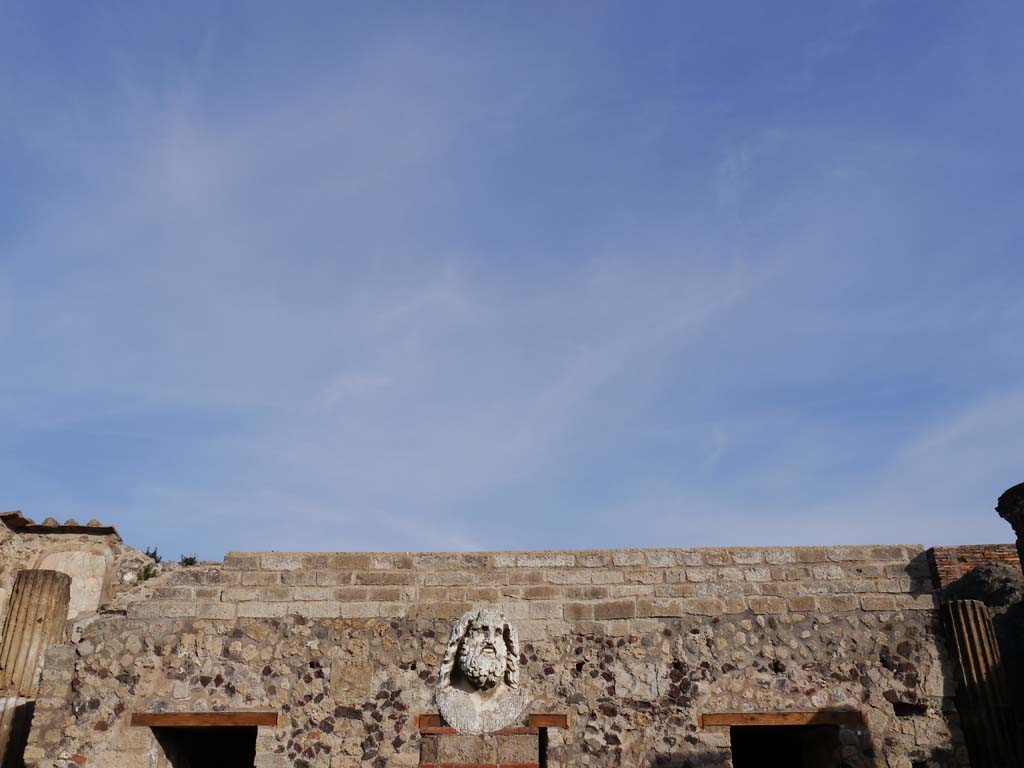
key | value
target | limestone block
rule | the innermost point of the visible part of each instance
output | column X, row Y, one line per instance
column 261, row 579
column 747, row 556
column 620, row 609
column 460, row 748
column 307, row 578
column 351, row 679
column 660, row 559
column 802, row 603
column 764, row 604
column 518, row 749
column 578, row 612
column 878, row 603
column 259, row 610
column 838, row 603
column 546, row 560
column 223, row 611
column 689, row 558
column 666, row 608
column 627, row 558
column 239, row 594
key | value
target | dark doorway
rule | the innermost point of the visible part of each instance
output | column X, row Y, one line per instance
column 15, row 723
column 785, row 746
column 208, row 747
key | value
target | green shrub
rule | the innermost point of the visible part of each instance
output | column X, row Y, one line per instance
column 148, row 571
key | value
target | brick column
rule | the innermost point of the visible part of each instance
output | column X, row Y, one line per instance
column 1011, row 508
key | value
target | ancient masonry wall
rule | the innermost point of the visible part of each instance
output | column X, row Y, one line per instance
column 98, row 565
column 950, row 563
column 635, row 645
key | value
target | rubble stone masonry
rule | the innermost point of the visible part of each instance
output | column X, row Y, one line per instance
column 633, row 645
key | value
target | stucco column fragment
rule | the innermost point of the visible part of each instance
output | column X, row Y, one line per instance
column 35, row 620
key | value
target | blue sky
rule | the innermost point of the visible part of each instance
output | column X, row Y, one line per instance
column 482, row 276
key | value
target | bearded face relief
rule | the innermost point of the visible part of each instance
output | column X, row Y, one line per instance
column 478, row 685
column 483, row 652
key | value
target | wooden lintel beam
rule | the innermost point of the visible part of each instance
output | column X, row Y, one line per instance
column 550, row 720
column 204, row 719
column 850, row 717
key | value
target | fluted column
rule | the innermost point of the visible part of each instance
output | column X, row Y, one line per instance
column 35, row 620
column 1011, row 508
column 983, row 696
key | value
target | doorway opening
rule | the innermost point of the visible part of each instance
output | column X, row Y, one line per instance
column 785, row 746
column 208, row 747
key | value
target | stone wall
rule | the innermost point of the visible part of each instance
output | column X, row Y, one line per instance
column 635, row 645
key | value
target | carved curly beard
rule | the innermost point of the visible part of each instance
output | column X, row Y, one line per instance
column 482, row 669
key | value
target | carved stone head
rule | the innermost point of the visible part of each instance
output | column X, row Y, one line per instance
column 478, row 686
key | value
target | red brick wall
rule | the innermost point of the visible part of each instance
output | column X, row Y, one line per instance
column 950, row 563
